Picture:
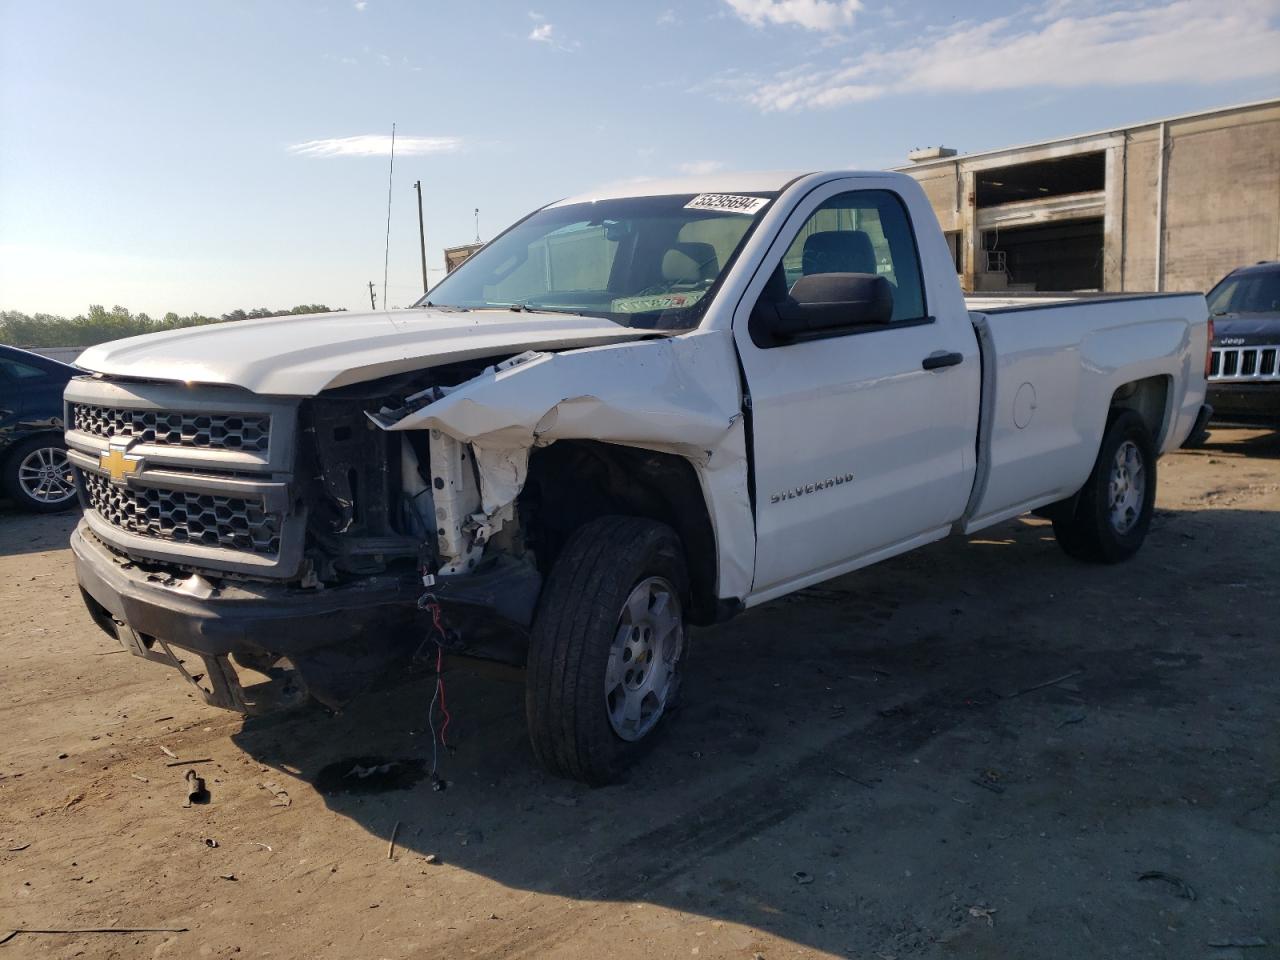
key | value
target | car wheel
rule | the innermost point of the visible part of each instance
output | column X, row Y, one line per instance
column 38, row 476
column 606, row 648
column 1113, row 511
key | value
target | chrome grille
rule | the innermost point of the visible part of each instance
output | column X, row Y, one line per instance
column 210, row 431
column 183, row 473
column 183, row 516
column 1245, row 364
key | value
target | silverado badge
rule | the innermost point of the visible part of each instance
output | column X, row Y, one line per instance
column 810, row 488
column 118, row 464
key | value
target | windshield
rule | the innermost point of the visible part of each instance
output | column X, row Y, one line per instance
column 639, row 261
column 1247, row 293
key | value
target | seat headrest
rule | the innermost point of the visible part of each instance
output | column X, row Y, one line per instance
column 690, row 263
column 838, row 251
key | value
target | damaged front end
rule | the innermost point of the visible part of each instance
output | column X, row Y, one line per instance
column 276, row 550
column 297, row 554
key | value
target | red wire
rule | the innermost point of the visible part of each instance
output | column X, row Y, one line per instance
column 435, row 619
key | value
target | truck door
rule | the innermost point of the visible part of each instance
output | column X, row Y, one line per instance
column 863, row 437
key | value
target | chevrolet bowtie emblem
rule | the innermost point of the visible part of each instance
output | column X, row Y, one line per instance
column 119, row 464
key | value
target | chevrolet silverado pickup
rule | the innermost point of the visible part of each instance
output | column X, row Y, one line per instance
column 635, row 410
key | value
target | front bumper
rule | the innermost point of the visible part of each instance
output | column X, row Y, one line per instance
column 336, row 641
column 1245, row 401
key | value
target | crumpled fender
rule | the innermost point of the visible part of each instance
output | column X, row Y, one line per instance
column 678, row 395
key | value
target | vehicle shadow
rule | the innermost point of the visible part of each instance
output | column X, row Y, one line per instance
column 22, row 532
column 829, row 745
column 1253, row 442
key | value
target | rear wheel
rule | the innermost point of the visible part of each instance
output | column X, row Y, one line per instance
column 38, row 475
column 606, row 648
column 1113, row 510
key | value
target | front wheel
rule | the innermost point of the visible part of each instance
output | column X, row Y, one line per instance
column 606, row 648
column 1113, row 511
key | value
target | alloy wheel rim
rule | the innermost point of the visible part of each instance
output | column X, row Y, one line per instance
column 640, row 677
column 1127, row 487
column 45, row 475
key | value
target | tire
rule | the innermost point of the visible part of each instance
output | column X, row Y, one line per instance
column 612, row 609
column 1113, row 509
column 1197, row 439
column 37, row 476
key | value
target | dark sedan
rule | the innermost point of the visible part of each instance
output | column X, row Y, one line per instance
column 1244, row 376
column 34, row 471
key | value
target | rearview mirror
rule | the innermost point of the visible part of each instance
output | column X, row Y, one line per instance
column 824, row 302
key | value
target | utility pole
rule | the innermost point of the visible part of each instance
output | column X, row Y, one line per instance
column 477, row 224
column 422, row 237
column 373, row 297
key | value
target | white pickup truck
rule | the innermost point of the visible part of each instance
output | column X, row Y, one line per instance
column 634, row 410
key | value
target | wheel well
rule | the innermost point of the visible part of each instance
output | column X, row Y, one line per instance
column 572, row 482
column 1148, row 397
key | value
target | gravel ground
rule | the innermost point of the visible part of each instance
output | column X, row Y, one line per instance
column 982, row 749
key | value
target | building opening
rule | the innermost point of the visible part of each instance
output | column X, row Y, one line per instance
column 1081, row 173
column 1052, row 257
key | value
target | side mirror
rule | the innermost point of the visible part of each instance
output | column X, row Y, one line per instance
column 824, row 302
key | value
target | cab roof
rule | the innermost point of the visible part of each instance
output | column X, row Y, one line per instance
column 751, row 182
column 766, row 181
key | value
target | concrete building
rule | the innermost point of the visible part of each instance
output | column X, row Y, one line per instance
column 454, row 257
column 1172, row 204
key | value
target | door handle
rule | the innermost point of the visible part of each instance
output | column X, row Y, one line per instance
column 936, row 361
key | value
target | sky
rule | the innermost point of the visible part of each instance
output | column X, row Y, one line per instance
column 204, row 156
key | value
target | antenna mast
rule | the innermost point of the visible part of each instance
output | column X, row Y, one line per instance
column 386, row 254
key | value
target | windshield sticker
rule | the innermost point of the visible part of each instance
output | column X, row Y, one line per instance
column 726, row 203
column 661, row 301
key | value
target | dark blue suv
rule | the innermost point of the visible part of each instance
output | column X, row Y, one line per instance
column 34, row 471
column 1244, row 375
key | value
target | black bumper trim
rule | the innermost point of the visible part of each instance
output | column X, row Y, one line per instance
column 1259, row 401
column 339, row 640
column 265, row 618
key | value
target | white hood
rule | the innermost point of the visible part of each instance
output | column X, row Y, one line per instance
column 303, row 355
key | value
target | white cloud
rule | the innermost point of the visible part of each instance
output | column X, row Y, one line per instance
column 1187, row 41
column 700, row 167
column 375, row 145
column 810, row 14
column 547, row 33
column 360, row 5
column 668, row 18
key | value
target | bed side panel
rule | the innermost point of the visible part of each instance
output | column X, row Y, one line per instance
column 1056, row 370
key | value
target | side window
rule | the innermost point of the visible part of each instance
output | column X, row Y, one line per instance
column 864, row 231
column 20, row 371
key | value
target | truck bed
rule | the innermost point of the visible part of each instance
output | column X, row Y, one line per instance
column 1007, row 303
column 1052, row 366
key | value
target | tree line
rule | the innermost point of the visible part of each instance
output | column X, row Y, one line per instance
column 100, row 324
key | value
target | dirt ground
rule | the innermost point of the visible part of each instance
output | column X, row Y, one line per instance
column 883, row 767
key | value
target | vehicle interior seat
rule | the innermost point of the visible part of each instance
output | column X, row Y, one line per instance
column 690, row 264
column 838, row 251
